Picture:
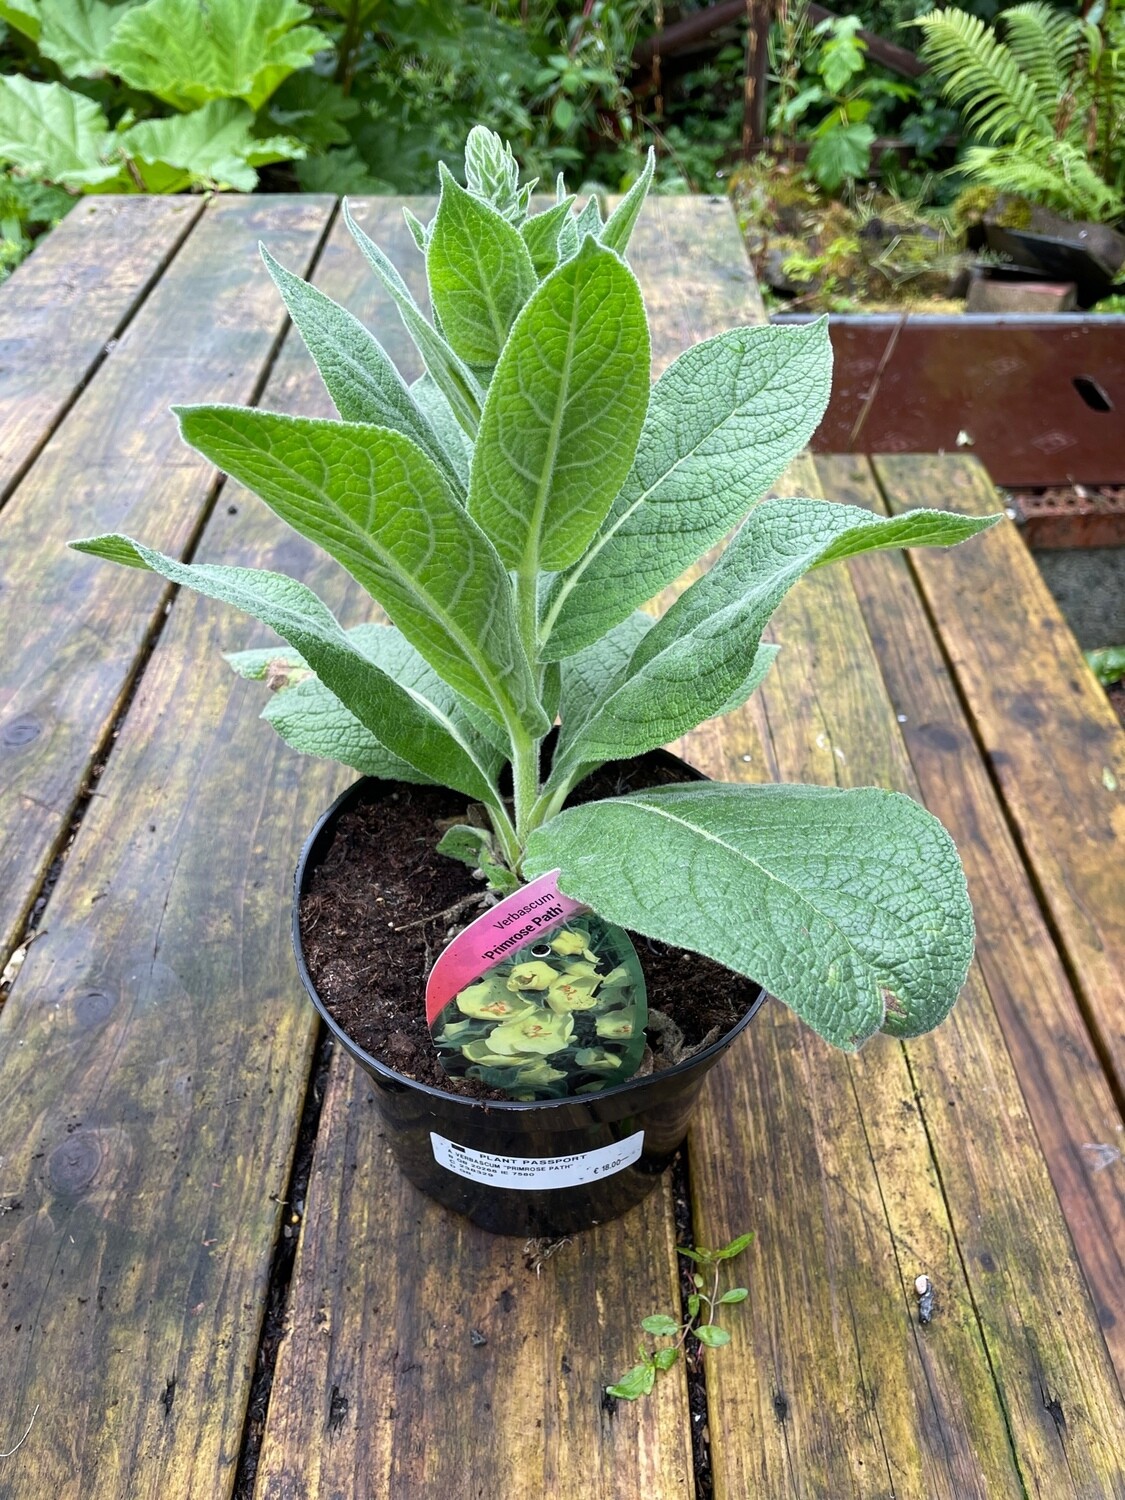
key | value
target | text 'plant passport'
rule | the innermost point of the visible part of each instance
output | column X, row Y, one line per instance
column 539, row 997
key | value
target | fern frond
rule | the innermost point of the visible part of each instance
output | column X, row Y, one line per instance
column 1055, row 173
column 1045, row 45
column 982, row 75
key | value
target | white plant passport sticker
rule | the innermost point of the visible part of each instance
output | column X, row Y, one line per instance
column 539, row 997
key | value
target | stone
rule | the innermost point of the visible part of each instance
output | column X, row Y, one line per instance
column 987, row 295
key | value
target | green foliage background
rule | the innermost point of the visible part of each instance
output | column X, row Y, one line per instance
column 369, row 96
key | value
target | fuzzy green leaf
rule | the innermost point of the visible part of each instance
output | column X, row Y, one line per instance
column 541, row 236
column 480, row 273
column 311, row 719
column 736, row 1294
column 398, row 718
column 392, row 653
column 701, row 657
column 723, row 422
column 360, row 376
column 376, row 504
column 664, row 1359
column 563, row 413
column 850, row 906
column 455, row 444
column 465, row 843
column 589, row 676
column 492, row 172
column 450, row 373
column 186, row 53
column 618, row 228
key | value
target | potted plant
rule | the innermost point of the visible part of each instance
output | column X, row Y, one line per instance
column 510, row 511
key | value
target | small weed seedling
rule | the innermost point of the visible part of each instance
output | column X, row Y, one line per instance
column 700, row 1321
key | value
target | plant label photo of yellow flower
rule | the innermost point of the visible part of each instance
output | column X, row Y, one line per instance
column 555, row 1002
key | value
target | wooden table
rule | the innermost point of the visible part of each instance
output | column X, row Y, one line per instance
column 172, row 1128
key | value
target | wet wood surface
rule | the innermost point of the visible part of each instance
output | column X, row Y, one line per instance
column 156, row 1053
column 1069, row 1097
column 207, row 331
column 1054, row 745
column 64, row 308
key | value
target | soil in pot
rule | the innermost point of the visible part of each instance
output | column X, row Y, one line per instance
column 383, row 904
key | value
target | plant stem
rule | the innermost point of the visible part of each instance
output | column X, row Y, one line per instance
column 504, row 831
column 527, row 614
column 525, row 786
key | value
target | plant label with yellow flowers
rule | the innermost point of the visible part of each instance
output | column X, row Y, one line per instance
column 539, row 997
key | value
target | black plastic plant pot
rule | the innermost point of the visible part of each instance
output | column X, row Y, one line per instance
column 532, row 1169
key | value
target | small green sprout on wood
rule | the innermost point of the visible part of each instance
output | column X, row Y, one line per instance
column 509, row 511
column 699, row 1322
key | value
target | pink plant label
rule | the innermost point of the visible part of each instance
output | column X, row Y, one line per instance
column 539, row 998
column 533, row 911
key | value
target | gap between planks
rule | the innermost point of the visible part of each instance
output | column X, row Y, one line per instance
column 1067, row 1090
column 69, row 707
column 87, row 332
column 380, row 1375
column 89, row 1009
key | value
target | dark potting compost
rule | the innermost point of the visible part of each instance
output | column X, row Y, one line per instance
column 382, row 904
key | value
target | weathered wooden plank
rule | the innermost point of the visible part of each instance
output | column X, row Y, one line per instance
column 1068, row 1095
column 995, row 1244
column 205, row 333
column 1053, row 742
column 71, row 297
column 388, row 1288
column 828, row 1389
column 380, row 1375
column 154, row 1051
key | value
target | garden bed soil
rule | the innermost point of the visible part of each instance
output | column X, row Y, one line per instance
column 378, row 910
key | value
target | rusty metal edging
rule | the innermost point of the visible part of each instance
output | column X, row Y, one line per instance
column 1040, row 400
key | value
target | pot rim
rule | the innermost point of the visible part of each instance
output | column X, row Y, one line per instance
column 330, row 815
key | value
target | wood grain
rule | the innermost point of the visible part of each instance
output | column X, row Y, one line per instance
column 1054, row 744
column 117, row 463
column 67, row 301
column 829, row 1387
column 1076, row 1119
column 379, row 1388
column 994, row 1242
column 155, row 1048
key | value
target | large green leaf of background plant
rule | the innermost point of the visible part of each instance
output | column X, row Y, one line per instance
column 376, row 503
column 400, row 720
column 76, row 35
column 850, row 906
column 563, row 413
column 52, row 133
column 187, row 53
column 479, row 270
column 723, row 421
column 212, row 144
column 24, row 16
column 701, row 657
